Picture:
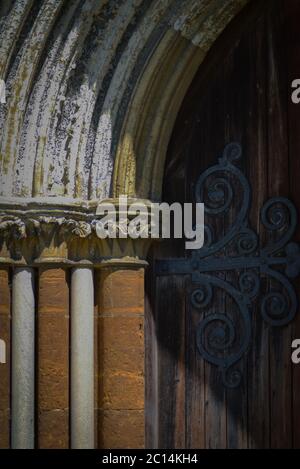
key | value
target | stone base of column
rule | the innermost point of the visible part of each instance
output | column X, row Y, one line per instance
column 121, row 357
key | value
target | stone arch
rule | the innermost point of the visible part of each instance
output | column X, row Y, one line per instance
column 159, row 93
column 93, row 89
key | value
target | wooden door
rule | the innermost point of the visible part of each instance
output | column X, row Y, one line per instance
column 219, row 369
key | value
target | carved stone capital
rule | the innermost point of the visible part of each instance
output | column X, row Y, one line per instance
column 36, row 233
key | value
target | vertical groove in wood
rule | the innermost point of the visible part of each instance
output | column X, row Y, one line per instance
column 292, row 14
column 53, row 359
column 151, row 359
column 237, row 66
column 171, row 364
column 215, row 396
column 5, row 336
column 256, row 152
column 278, row 185
column 195, row 385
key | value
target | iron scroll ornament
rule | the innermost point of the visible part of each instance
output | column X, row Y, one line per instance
column 251, row 273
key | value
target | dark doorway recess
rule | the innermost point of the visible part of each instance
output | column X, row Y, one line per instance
column 241, row 93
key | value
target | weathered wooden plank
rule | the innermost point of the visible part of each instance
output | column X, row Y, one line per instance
column 151, row 357
column 278, row 185
column 292, row 15
column 195, row 380
column 236, row 95
column 171, row 361
column 256, row 153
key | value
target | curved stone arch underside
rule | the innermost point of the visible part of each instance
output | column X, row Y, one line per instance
column 93, row 88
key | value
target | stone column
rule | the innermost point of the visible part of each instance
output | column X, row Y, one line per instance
column 53, row 344
column 5, row 367
column 82, row 358
column 23, row 358
column 121, row 356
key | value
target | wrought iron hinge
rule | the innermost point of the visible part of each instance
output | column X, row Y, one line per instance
column 261, row 271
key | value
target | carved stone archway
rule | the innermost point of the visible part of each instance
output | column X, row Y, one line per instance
column 92, row 90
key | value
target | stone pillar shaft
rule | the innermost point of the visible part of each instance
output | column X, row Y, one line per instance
column 23, row 358
column 121, row 357
column 82, row 358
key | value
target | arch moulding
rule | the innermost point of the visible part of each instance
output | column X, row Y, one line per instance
column 156, row 100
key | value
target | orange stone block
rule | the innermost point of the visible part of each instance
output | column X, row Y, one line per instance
column 121, row 390
column 5, row 335
column 121, row 429
column 53, row 359
column 54, row 430
column 53, row 291
column 122, row 291
column 121, row 381
column 4, row 292
column 121, row 344
column 5, row 367
column 4, row 429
